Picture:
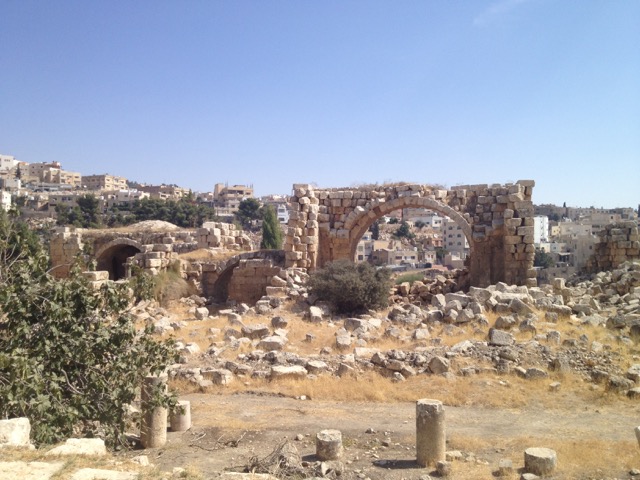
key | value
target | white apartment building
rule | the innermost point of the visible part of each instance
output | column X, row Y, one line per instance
column 454, row 238
column 5, row 200
column 7, row 163
column 540, row 229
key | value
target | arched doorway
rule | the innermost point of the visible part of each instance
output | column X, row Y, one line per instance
column 113, row 257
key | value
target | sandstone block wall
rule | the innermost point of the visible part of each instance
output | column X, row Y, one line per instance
column 618, row 243
column 250, row 280
column 217, row 234
column 326, row 225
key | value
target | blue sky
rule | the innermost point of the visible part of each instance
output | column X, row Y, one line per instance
column 336, row 93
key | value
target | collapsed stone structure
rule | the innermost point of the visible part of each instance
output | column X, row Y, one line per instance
column 149, row 245
column 617, row 243
column 326, row 224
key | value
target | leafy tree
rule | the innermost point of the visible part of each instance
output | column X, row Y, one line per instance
column 89, row 208
column 271, row 229
column 393, row 221
column 420, row 224
column 86, row 214
column 184, row 213
column 351, row 287
column 248, row 211
column 404, row 231
column 440, row 254
column 70, row 357
column 543, row 259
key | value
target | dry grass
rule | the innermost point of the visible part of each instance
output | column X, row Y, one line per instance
column 208, row 254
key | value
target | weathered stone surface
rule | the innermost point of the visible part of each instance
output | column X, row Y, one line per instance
column 15, row 432
column 29, row 470
column 202, row 313
column 329, row 445
column 101, row 474
column 500, row 338
column 293, row 371
column 540, row 461
column 274, row 342
column 80, row 446
column 439, row 365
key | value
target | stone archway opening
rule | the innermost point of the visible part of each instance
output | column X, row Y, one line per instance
column 114, row 258
column 452, row 235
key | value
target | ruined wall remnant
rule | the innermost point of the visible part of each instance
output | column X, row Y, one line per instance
column 152, row 250
column 244, row 278
column 326, row 225
column 617, row 243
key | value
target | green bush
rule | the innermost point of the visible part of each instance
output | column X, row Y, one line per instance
column 409, row 277
column 71, row 359
column 351, row 287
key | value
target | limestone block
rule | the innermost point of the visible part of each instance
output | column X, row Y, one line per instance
column 202, row 313
column 19, row 470
column 293, row 371
column 15, row 432
column 329, row 445
column 439, row 365
column 500, row 338
column 100, row 275
column 315, row 314
column 540, row 461
column 274, row 342
column 343, row 342
column 80, row 446
column 102, row 474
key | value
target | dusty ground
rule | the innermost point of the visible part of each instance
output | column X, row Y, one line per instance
column 228, row 430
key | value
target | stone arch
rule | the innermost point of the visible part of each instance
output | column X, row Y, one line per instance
column 359, row 224
column 497, row 220
column 113, row 256
column 217, row 277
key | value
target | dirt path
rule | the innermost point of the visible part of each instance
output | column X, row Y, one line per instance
column 229, row 429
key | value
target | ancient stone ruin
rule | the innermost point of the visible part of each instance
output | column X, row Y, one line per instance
column 326, row 224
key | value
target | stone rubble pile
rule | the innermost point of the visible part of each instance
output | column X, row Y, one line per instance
column 499, row 315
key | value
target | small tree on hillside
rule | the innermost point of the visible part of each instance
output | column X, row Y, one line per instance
column 351, row 287
column 375, row 230
column 271, row 230
column 404, row 231
column 248, row 211
column 543, row 259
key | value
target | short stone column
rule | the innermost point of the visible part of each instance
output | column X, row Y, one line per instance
column 153, row 429
column 540, row 461
column 637, row 430
column 430, row 432
column 180, row 418
column 329, row 445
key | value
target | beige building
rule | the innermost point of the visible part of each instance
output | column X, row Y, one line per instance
column 165, row 192
column 227, row 199
column 104, row 182
column 455, row 240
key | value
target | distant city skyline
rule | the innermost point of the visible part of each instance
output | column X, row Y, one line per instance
column 333, row 93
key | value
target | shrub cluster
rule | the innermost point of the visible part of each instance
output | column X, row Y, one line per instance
column 71, row 359
column 351, row 287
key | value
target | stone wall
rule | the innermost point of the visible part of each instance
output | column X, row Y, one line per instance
column 151, row 250
column 618, row 243
column 250, row 280
column 326, row 225
column 243, row 278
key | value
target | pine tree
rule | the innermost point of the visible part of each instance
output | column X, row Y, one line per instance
column 271, row 230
